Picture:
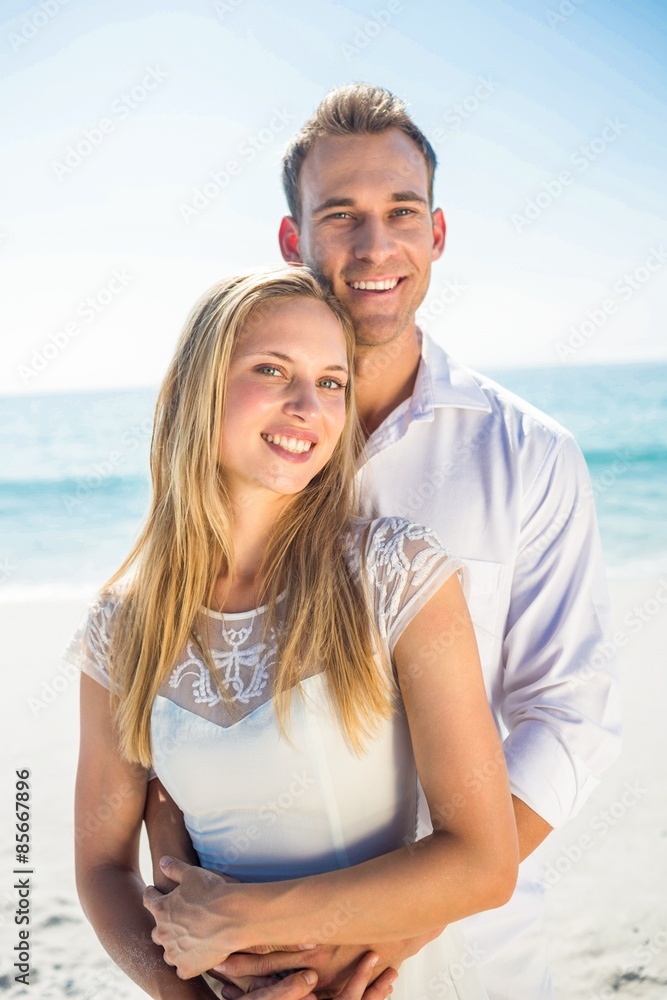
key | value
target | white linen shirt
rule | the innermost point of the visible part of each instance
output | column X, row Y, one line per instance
column 507, row 490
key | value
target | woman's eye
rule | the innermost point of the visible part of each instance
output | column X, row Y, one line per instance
column 331, row 383
column 269, row 370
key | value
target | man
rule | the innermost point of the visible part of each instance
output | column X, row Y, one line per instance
column 503, row 486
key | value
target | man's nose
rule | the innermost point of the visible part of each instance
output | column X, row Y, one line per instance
column 374, row 240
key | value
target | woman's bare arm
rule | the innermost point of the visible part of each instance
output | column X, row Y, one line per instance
column 109, row 882
column 469, row 863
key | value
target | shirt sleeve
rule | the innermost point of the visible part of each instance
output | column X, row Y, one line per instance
column 561, row 700
column 88, row 649
column 406, row 565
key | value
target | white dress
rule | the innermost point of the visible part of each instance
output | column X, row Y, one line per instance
column 262, row 807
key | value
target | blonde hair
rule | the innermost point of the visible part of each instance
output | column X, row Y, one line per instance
column 353, row 109
column 171, row 571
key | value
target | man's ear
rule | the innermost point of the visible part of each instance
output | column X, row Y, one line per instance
column 288, row 237
column 439, row 230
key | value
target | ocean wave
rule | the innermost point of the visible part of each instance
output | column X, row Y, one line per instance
column 642, row 455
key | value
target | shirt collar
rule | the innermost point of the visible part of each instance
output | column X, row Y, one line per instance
column 442, row 381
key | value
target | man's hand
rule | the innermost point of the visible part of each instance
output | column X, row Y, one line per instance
column 334, row 964
column 299, row 985
column 187, row 926
column 294, row 957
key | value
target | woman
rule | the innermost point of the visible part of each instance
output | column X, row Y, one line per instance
column 279, row 662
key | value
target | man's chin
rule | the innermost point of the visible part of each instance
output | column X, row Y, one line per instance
column 366, row 336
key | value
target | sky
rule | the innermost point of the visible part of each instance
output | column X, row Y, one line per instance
column 140, row 148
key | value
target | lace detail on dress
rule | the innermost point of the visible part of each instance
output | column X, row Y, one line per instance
column 406, row 563
column 244, row 672
column 88, row 649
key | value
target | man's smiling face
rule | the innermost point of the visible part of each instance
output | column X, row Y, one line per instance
column 366, row 224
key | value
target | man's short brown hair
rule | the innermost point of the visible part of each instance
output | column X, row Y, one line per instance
column 354, row 109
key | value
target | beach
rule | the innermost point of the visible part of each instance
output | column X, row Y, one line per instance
column 606, row 909
column 72, row 495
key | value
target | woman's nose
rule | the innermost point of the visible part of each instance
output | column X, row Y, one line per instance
column 302, row 400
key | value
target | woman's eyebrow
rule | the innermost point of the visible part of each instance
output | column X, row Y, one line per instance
column 285, row 357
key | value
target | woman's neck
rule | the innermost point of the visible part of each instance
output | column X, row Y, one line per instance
column 253, row 519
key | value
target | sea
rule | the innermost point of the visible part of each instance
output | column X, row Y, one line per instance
column 74, row 483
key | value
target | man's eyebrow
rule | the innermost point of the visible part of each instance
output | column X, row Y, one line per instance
column 409, row 196
column 334, row 203
column 286, row 357
column 349, row 202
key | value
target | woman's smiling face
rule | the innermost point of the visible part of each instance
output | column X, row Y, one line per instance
column 285, row 397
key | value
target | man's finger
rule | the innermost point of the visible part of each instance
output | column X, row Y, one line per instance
column 243, row 963
column 264, row 949
column 357, row 988
column 152, row 897
column 382, row 987
column 231, row 992
column 295, row 987
column 174, row 869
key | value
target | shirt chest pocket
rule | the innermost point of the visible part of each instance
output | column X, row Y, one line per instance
column 483, row 586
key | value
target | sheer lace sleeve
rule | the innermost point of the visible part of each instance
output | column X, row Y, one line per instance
column 88, row 649
column 406, row 564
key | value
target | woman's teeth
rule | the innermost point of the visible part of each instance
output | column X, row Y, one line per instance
column 295, row 445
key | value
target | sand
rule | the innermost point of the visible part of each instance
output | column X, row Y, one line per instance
column 607, row 869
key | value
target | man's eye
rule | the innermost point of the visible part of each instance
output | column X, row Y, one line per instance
column 403, row 212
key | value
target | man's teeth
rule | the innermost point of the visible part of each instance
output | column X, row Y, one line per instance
column 295, row 445
column 375, row 286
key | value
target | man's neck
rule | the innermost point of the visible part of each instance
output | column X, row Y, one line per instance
column 385, row 377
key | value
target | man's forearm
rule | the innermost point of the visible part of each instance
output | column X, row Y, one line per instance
column 167, row 833
column 531, row 829
column 112, row 900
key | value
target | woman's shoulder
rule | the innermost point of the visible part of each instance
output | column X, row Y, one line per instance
column 88, row 649
column 385, row 537
column 392, row 547
column 405, row 563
